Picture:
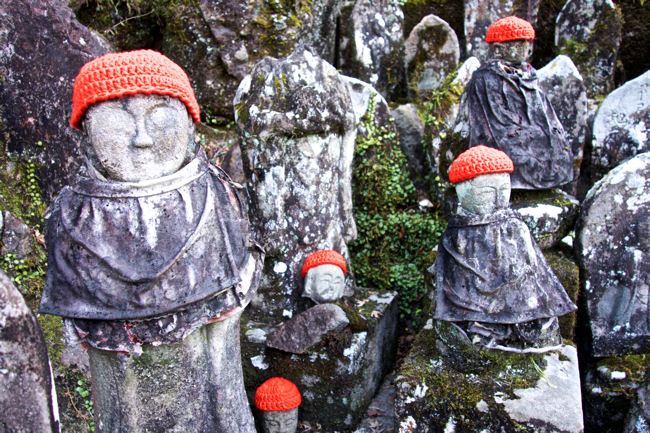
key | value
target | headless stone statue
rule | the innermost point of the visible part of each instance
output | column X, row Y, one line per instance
column 148, row 255
column 503, row 107
column 278, row 399
column 491, row 277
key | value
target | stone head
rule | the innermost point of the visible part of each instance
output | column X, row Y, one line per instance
column 510, row 40
column 324, row 273
column 137, row 110
column 278, row 399
column 482, row 178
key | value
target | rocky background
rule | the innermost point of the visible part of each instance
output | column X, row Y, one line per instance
column 418, row 55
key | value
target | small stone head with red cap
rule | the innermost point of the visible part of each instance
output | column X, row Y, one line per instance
column 324, row 274
column 482, row 178
column 137, row 110
column 510, row 40
column 278, row 400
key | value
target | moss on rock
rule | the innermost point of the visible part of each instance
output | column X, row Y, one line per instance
column 565, row 268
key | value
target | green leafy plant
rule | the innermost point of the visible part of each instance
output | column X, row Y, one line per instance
column 88, row 409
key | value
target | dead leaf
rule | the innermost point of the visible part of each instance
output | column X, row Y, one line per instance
column 375, row 314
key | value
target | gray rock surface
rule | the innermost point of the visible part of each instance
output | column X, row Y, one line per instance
column 589, row 32
column 431, row 53
column 411, row 133
column 16, row 236
column 380, row 415
column 621, row 128
column 638, row 419
column 297, row 126
column 564, row 87
column 28, row 400
column 614, row 255
column 157, row 391
column 38, row 68
column 371, row 44
column 308, row 328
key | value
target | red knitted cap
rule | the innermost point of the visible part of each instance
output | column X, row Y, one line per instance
column 119, row 74
column 324, row 257
column 277, row 393
column 479, row 160
column 510, row 29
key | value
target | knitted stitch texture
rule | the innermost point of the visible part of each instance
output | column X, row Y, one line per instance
column 324, row 257
column 128, row 73
column 479, row 160
column 510, row 29
column 277, row 393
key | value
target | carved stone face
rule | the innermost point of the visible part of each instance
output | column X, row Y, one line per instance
column 512, row 51
column 280, row 421
column 324, row 283
column 484, row 194
column 139, row 137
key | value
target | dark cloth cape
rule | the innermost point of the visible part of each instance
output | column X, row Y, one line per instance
column 136, row 250
column 508, row 111
column 490, row 269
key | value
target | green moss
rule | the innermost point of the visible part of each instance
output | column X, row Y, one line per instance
column 394, row 236
column 636, row 368
column 280, row 22
column 636, row 38
column 568, row 273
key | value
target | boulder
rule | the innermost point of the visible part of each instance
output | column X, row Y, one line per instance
column 447, row 384
column 308, row 328
column 589, row 32
column 564, row 87
column 411, row 135
column 339, row 376
column 480, row 14
column 28, row 399
column 16, row 236
column 614, row 256
column 621, row 128
column 431, row 53
column 372, row 44
column 43, row 47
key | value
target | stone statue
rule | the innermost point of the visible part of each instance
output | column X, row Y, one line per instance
column 149, row 254
column 504, row 107
column 324, row 273
column 278, row 400
column 491, row 277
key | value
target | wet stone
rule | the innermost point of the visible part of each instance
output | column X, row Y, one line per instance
column 308, row 328
column 614, row 256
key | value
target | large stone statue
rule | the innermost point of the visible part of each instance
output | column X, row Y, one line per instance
column 503, row 107
column 149, row 255
column 491, row 277
column 278, row 400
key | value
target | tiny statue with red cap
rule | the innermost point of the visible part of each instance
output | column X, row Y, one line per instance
column 503, row 107
column 492, row 280
column 278, row 400
column 149, row 251
column 324, row 274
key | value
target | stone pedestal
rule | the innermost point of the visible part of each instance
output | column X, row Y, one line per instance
column 447, row 384
column 337, row 377
column 194, row 385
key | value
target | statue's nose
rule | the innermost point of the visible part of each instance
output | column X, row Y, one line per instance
column 142, row 137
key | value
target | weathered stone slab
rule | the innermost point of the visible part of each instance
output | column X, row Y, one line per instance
column 308, row 328
column 15, row 235
column 446, row 384
column 589, row 32
column 339, row 376
column 564, row 87
column 42, row 47
column 614, row 255
column 431, row 53
column 638, row 419
column 550, row 214
column 28, row 400
column 621, row 127
column 411, row 133
column 372, row 44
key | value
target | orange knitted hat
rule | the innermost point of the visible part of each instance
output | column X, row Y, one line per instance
column 510, row 29
column 324, row 257
column 479, row 160
column 277, row 393
column 119, row 74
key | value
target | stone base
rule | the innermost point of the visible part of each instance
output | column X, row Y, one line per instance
column 447, row 384
column 337, row 377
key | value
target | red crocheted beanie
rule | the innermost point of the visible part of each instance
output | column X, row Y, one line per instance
column 479, row 160
column 324, row 257
column 277, row 393
column 510, row 29
column 119, row 74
